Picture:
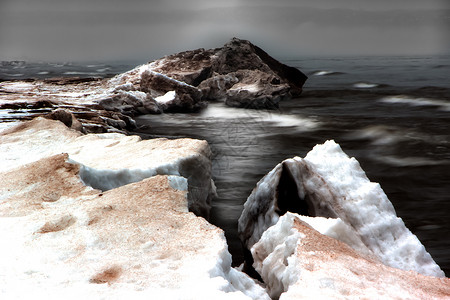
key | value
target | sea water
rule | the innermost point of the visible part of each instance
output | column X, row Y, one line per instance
column 391, row 113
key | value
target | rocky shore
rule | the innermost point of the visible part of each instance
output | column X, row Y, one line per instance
column 239, row 73
column 89, row 210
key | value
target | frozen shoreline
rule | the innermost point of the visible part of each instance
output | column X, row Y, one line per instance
column 46, row 199
column 97, row 159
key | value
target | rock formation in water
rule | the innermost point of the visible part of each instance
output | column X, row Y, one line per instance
column 239, row 73
column 107, row 216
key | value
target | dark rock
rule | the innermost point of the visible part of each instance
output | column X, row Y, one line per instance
column 61, row 115
column 28, row 105
column 191, row 67
column 150, row 106
column 130, row 103
column 256, row 89
column 239, row 73
column 187, row 97
column 216, row 87
column 293, row 76
column 67, row 118
column 71, row 80
column 238, row 55
column 161, row 83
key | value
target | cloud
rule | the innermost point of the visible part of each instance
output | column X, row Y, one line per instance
column 116, row 29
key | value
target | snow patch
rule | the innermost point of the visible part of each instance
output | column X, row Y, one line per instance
column 167, row 97
column 443, row 105
column 339, row 230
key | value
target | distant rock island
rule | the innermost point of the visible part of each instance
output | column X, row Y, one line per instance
column 240, row 74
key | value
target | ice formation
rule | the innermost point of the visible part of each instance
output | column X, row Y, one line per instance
column 138, row 240
column 328, row 183
column 111, row 160
column 298, row 262
column 131, row 240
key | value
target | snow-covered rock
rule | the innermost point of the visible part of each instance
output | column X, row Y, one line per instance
column 26, row 100
column 328, row 183
column 254, row 89
column 111, row 160
column 64, row 239
column 130, row 103
column 93, row 217
column 239, row 73
column 185, row 97
column 298, row 262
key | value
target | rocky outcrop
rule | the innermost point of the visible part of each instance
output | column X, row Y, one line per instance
column 239, row 73
column 107, row 216
column 74, row 104
column 185, row 97
column 298, row 262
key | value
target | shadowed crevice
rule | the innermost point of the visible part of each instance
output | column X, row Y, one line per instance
column 288, row 198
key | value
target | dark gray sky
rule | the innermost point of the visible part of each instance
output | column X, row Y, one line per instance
column 72, row 30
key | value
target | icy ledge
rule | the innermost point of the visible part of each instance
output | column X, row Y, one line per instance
column 328, row 183
column 64, row 239
column 298, row 262
column 112, row 160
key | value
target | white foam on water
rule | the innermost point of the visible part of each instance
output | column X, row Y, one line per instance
column 365, row 85
column 322, row 73
column 13, row 75
column 442, row 105
column 220, row 111
column 411, row 161
column 103, row 69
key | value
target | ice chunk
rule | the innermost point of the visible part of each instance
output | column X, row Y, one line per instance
column 364, row 206
column 275, row 259
column 328, row 183
column 65, row 240
column 297, row 262
column 111, row 160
